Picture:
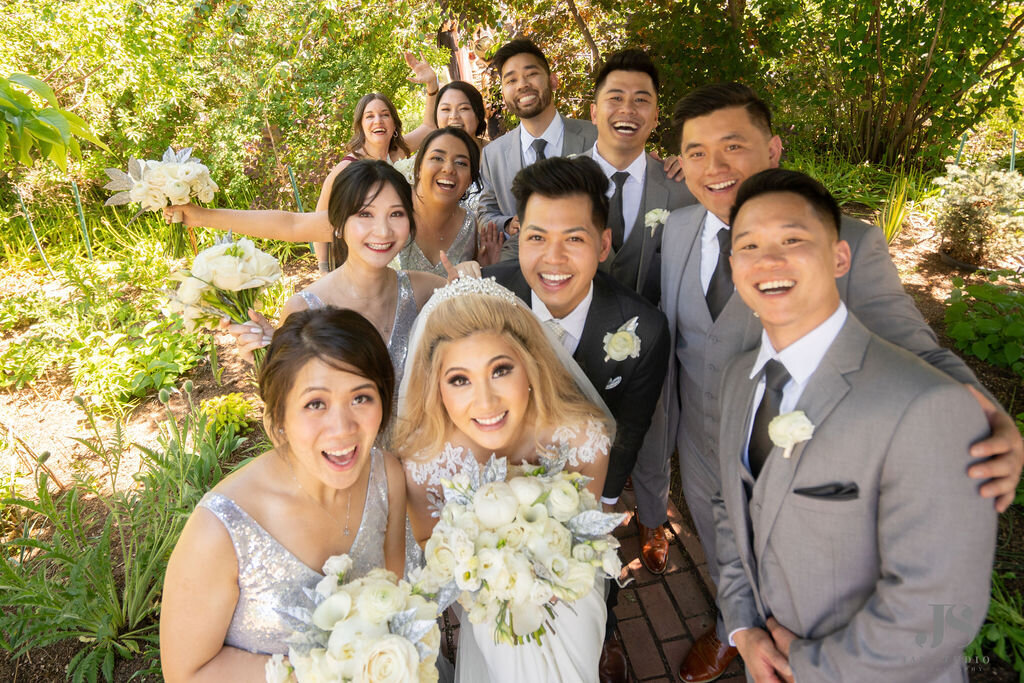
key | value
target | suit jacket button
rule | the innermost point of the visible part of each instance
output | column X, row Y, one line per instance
column 714, row 368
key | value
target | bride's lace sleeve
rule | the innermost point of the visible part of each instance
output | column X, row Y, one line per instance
column 583, row 443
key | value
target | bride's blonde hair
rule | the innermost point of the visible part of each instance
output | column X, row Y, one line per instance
column 554, row 400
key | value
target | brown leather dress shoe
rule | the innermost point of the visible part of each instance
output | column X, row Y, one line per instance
column 612, row 667
column 653, row 548
column 707, row 659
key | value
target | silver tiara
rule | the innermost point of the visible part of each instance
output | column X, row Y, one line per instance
column 486, row 286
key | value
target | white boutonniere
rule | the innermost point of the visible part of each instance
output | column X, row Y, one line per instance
column 623, row 343
column 789, row 429
column 407, row 167
column 654, row 218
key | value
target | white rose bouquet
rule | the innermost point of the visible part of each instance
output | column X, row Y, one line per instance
column 225, row 280
column 175, row 179
column 510, row 541
column 376, row 629
column 407, row 167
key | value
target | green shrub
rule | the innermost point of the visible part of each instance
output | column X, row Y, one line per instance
column 93, row 573
column 980, row 214
column 232, row 412
column 986, row 319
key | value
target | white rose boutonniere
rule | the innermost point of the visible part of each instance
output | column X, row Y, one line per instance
column 623, row 343
column 789, row 429
column 654, row 218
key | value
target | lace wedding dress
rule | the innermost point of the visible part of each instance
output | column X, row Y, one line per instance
column 569, row 653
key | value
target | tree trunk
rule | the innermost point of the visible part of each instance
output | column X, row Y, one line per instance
column 595, row 54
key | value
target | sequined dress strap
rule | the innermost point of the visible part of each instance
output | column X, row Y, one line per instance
column 405, row 316
column 462, row 248
column 312, row 300
column 367, row 551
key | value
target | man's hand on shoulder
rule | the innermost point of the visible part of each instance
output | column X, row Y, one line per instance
column 1003, row 451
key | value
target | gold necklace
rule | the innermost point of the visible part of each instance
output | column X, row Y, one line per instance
column 348, row 502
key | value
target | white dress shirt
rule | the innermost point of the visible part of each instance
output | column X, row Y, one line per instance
column 572, row 324
column 801, row 359
column 553, row 135
column 709, row 249
column 632, row 189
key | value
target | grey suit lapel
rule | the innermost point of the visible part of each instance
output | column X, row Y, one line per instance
column 572, row 138
column 826, row 389
column 655, row 196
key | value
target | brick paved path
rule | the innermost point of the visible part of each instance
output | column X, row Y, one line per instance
column 659, row 616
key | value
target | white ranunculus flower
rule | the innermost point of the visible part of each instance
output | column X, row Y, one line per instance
column 391, row 659
column 487, row 539
column 513, row 534
column 491, row 561
column 584, row 552
column 789, row 429
column 262, row 267
column 563, row 501
column 332, row 610
column 469, row 525
column 527, row 489
column 439, row 556
column 495, row 504
column 156, row 177
column 227, row 272
column 139, row 190
column 205, row 195
column 424, row 608
column 277, row 670
column 191, row 290
column 171, row 170
column 379, row 600
column 540, row 592
column 558, row 537
column 187, row 173
column 462, row 545
column 177, row 191
column 155, row 199
column 338, row 565
column 579, row 578
column 527, row 618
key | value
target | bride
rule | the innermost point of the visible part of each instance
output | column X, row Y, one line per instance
column 489, row 380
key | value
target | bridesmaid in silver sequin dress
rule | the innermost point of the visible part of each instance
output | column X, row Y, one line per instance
column 259, row 538
column 371, row 210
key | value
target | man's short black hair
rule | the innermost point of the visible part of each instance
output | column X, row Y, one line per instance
column 517, row 47
column 776, row 180
column 710, row 98
column 632, row 59
column 559, row 177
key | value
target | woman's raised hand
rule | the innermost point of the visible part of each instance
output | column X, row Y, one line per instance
column 422, row 72
column 180, row 213
column 250, row 336
column 491, row 239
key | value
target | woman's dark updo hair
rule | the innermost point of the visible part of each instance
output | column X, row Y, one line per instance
column 471, row 148
column 341, row 338
column 476, row 101
column 355, row 187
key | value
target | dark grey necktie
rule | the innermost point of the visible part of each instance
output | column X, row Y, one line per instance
column 538, row 147
column 616, row 222
column 775, row 376
column 720, row 288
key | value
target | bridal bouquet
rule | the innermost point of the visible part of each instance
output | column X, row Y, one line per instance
column 225, row 280
column 175, row 179
column 511, row 540
column 373, row 629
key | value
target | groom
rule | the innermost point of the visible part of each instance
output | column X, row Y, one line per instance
column 619, row 340
column 835, row 560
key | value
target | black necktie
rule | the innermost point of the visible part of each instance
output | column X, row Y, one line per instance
column 775, row 377
column 615, row 220
column 538, row 147
column 720, row 288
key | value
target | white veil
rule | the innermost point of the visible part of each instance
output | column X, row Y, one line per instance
column 473, row 286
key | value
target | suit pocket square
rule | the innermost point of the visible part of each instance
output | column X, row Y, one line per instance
column 613, row 382
column 835, row 491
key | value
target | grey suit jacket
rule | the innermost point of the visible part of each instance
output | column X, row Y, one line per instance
column 503, row 159
column 688, row 412
column 638, row 264
column 853, row 540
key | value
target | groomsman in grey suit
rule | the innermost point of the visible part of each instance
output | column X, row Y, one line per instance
column 527, row 89
column 726, row 137
column 835, row 563
column 625, row 111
